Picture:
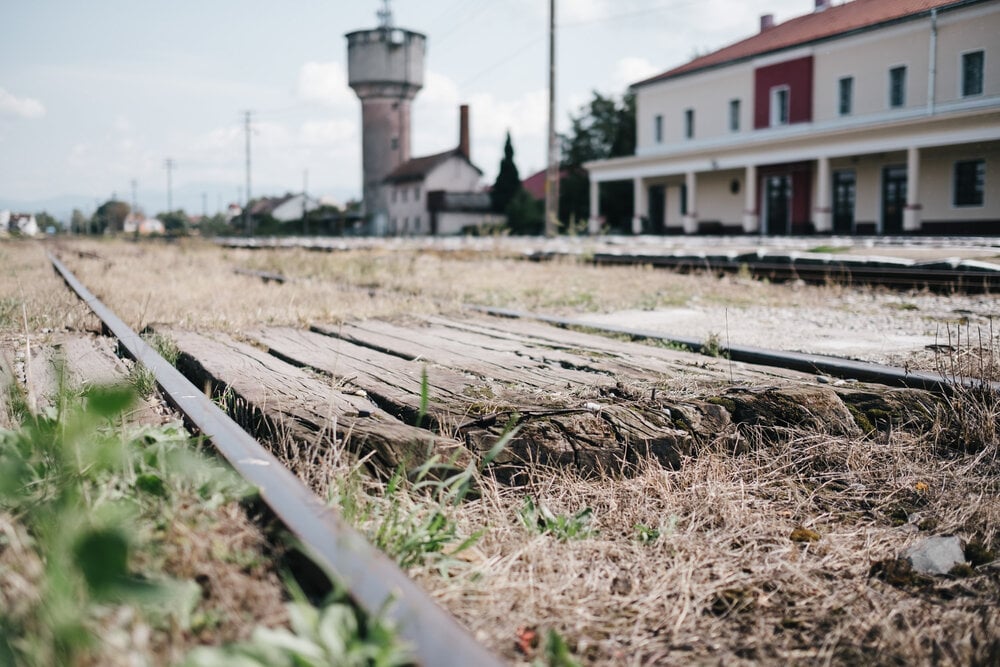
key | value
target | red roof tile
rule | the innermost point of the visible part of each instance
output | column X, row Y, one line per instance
column 833, row 21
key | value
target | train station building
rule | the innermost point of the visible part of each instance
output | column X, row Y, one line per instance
column 868, row 117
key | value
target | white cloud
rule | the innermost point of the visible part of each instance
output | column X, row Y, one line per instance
column 327, row 133
column 325, row 83
column 24, row 107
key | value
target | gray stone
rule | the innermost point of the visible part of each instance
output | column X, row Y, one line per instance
column 936, row 555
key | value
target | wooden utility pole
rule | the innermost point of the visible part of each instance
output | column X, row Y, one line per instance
column 552, row 172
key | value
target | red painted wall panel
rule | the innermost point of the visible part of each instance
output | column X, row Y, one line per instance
column 798, row 76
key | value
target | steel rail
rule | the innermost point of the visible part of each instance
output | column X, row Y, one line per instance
column 798, row 361
column 370, row 577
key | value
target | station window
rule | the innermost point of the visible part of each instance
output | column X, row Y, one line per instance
column 734, row 115
column 658, row 128
column 689, row 123
column 780, row 96
column 897, row 87
column 970, row 182
column 845, row 89
column 972, row 73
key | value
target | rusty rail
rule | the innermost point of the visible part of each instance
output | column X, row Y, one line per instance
column 375, row 582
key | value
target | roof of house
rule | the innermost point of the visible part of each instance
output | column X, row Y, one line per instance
column 535, row 184
column 834, row 21
column 417, row 168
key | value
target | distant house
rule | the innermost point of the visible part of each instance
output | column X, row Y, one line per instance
column 534, row 185
column 139, row 223
column 23, row 224
column 438, row 194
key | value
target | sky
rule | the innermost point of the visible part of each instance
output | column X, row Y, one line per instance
column 95, row 96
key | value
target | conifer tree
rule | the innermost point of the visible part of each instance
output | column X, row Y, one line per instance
column 508, row 181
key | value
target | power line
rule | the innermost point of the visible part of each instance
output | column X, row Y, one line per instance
column 520, row 51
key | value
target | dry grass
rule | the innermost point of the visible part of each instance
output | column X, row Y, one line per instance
column 692, row 566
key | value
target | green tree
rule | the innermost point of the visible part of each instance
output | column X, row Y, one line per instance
column 45, row 221
column 604, row 128
column 174, row 222
column 78, row 222
column 110, row 216
column 508, row 181
column 525, row 214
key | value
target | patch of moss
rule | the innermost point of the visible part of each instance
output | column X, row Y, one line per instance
column 801, row 534
column 861, row 419
column 727, row 403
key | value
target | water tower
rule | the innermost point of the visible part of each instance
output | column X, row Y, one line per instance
column 385, row 67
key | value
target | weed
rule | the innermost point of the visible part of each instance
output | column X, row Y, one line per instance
column 330, row 634
column 79, row 486
column 645, row 534
column 540, row 519
column 9, row 312
column 712, row 346
column 556, row 652
column 830, row 249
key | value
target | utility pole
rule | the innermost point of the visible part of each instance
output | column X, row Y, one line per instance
column 305, row 199
column 204, row 204
column 169, row 164
column 552, row 172
column 247, row 218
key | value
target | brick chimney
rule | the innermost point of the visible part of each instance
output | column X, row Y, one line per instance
column 766, row 22
column 463, row 131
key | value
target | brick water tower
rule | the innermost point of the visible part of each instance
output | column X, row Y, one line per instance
column 385, row 67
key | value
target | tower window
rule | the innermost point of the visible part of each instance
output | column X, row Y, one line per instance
column 394, row 143
column 689, row 123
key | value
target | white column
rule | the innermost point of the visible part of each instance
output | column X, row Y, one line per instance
column 691, row 217
column 912, row 214
column 822, row 218
column 641, row 205
column 751, row 217
column 594, row 223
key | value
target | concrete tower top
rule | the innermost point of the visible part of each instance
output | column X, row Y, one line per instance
column 385, row 55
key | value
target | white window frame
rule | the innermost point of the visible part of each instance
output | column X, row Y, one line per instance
column 658, row 128
column 775, row 109
column 906, row 75
column 961, row 74
column 735, row 110
column 689, row 123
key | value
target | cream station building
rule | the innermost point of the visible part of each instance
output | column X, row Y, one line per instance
column 868, row 117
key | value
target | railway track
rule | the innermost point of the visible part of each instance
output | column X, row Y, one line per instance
column 776, row 264
column 582, row 401
column 371, row 579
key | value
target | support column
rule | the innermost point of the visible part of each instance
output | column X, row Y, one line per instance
column 594, row 222
column 640, row 208
column 913, row 213
column 691, row 217
column 822, row 218
column 751, row 217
